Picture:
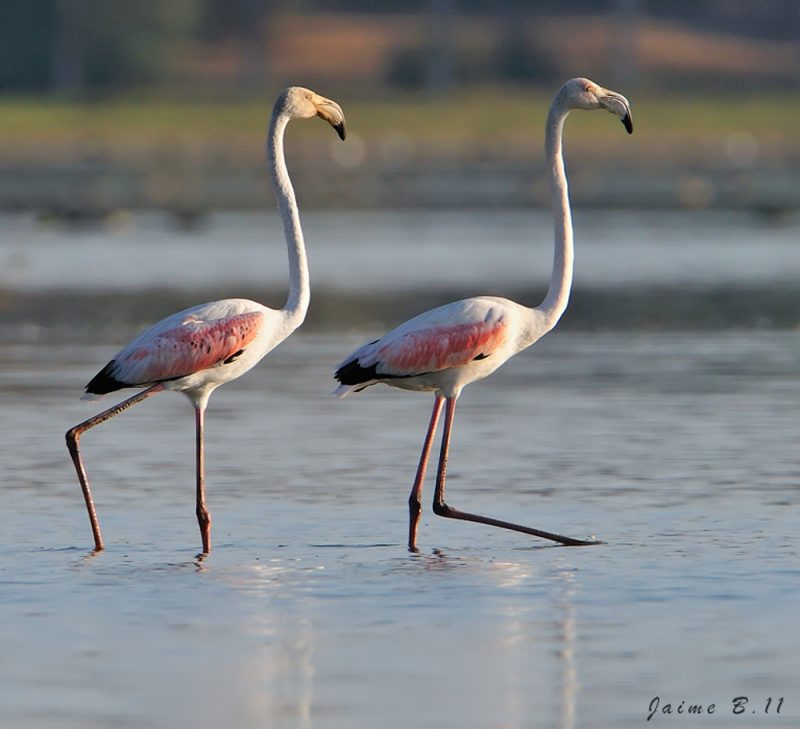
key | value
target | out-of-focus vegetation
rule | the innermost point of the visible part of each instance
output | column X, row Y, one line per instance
column 140, row 102
column 91, row 48
column 493, row 118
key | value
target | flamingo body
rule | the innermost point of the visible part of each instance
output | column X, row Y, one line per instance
column 450, row 346
column 198, row 349
column 445, row 348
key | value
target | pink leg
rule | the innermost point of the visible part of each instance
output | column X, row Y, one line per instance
column 442, row 509
column 203, row 517
column 73, row 436
column 415, row 499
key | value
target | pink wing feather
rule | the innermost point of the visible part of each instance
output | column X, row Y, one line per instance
column 440, row 347
column 192, row 345
column 445, row 338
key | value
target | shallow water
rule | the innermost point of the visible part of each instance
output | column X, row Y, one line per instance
column 416, row 250
column 661, row 417
column 679, row 450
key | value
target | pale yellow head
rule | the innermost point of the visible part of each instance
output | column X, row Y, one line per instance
column 581, row 93
column 301, row 103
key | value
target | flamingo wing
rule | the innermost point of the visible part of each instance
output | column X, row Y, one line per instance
column 178, row 346
column 444, row 338
column 439, row 348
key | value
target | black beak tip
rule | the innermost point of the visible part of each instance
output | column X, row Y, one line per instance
column 627, row 122
column 341, row 130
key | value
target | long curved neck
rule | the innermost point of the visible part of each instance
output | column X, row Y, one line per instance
column 555, row 302
column 299, row 290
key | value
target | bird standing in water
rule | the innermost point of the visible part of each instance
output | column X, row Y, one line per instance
column 450, row 346
column 200, row 348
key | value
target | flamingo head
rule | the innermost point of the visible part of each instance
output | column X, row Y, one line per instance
column 301, row 103
column 581, row 93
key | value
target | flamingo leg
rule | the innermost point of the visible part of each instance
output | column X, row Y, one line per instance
column 415, row 498
column 73, row 436
column 203, row 517
column 442, row 509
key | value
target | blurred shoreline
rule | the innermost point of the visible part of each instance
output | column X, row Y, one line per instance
column 635, row 271
column 69, row 316
column 91, row 191
column 476, row 149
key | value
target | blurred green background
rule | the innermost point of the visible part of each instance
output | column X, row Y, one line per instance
column 141, row 104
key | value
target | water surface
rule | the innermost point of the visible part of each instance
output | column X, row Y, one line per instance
column 676, row 447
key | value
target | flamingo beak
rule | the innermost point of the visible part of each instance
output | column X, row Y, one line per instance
column 618, row 105
column 332, row 113
column 627, row 122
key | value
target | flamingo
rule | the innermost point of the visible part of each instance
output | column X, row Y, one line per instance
column 198, row 349
column 446, row 348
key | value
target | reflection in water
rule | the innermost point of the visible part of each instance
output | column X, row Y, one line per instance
column 520, row 634
column 281, row 677
column 273, row 680
column 569, row 673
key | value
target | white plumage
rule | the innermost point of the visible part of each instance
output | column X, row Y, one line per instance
column 445, row 349
column 198, row 349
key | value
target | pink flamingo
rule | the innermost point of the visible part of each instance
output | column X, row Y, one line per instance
column 448, row 347
column 198, row 349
